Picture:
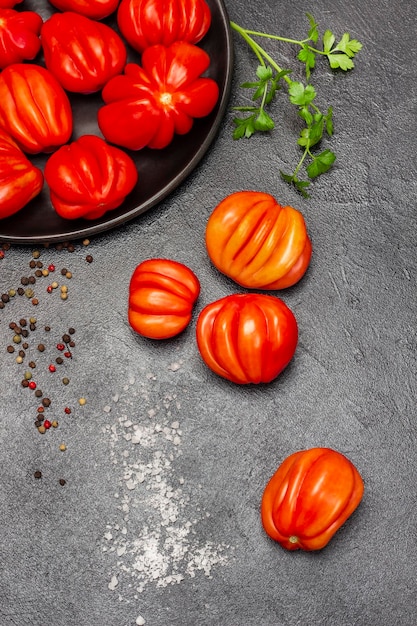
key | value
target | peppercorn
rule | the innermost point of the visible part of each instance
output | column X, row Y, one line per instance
column 62, row 482
column 46, row 402
column 37, row 474
column 41, row 347
column 89, row 258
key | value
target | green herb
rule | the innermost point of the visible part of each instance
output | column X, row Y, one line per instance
column 271, row 77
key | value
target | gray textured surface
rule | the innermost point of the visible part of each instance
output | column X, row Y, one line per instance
column 351, row 385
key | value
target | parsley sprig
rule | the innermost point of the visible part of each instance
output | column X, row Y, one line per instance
column 270, row 78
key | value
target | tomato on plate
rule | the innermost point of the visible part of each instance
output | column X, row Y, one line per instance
column 257, row 242
column 96, row 9
column 9, row 4
column 20, row 180
column 247, row 338
column 19, row 36
column 162, row 293
column 34, row 108
column 310, row 496
column 83, row 54
column 87, row 178
column 146, row 23
column 149, row 104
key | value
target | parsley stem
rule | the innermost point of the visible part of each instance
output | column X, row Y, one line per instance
column 260, row 52
column 269, row 36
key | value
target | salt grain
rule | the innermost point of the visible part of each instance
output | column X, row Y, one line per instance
column 113, row 583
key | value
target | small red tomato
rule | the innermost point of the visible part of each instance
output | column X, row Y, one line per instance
column 87, row 178
column 247, row 338
column 81, row 53
column 310, row 496
column 34, row 108
column 257, row 242
column 19, row 36
column 162, row 294
column 146, row 23
column 96, row 9
column 147, row 105
column 20, row 180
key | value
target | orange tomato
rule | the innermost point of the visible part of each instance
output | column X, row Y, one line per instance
column 257, row 242
column 162, row 293
column 247, row 338
column 310, row 496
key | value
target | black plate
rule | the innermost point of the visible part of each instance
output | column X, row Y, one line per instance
column 160, row 171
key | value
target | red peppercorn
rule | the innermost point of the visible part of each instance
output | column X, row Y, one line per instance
column 60, row 346
column 68, row 354
column 1, row 254
column 47, row 424
column 67, row 410
column 51, row 267
column 52, row 368
column 49, row 289
column 32, row 385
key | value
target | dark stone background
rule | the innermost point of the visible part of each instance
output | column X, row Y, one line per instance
column 351, row 385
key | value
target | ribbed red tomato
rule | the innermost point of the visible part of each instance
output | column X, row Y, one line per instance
column 34, row 108
column 162, row 294
column 149, row 104
column 83, row 54
column 19, row 36
column 88, row 177
column 145, row 23
column 9, row 4
column 247, row 338
column 96, row 9
column 20, row 180
column 257, row 242
column 310, row 496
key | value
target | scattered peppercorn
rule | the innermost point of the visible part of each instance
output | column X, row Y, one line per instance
column 62, row 482
column 38, row 474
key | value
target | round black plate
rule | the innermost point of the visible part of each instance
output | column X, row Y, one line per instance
column 160, row 171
